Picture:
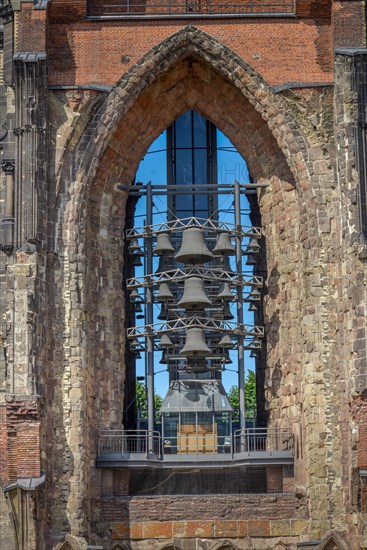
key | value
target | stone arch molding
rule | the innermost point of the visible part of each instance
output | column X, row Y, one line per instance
column 223, row 545
column 332, row 541
column 188, row 43
column 72, row 542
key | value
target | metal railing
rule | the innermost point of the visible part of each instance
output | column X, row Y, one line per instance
column 124, row 443
column 189, row 8
column 127, row 442
column 267, row 440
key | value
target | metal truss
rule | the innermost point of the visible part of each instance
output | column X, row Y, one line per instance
column 177, row 275
column 178, row 225
column 242, row 330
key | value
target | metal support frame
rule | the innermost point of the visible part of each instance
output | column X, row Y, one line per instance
column 241, row 358
column 149, row 317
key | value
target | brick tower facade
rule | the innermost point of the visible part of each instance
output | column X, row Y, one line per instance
column 85, row 88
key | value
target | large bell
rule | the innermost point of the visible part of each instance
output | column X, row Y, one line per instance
column 195, row 345
column 224, row 246
column 165, row 341
column 193, row 248
column 225, row 293
column 194, row 296
column 164, row 293
column 225, row 342
column 163, row 246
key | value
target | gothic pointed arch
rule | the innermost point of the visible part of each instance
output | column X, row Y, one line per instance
column 72, row 542
column 120, row 546
column 224, row 545
column 203, row 54
column 332, row 541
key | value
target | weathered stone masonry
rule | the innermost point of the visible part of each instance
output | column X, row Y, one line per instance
column 63, row 366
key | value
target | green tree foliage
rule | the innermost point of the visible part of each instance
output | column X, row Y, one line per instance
column 141, row 400
column 250, row 396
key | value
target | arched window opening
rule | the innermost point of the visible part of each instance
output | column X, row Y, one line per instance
column 194, row 277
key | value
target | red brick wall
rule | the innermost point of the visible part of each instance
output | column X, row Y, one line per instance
column 349, row 28
column 281, row 49
column 19, row 440
column 32, row 29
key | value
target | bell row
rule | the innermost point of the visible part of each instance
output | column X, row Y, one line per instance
column 195, row 345
column 193, row 248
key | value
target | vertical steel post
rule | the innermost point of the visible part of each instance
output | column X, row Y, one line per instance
column 241, row 358
column 149, row 309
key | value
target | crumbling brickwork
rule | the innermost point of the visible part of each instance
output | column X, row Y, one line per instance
column 115, row 85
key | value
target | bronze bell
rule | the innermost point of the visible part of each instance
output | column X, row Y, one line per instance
column 194, row 296
column 161, row 265
column 195, row 345
column 163, row 313
column 164, row 293
column 134, row 247
column 164, row 246
column 134, row 295
column 225, row 293
column 165, row 341
column 223, row 245
column 227, row 314
column 253, row 245
column 193, row 248
column 225, row 341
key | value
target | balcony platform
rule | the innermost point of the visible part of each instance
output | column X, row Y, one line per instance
column 256, row 447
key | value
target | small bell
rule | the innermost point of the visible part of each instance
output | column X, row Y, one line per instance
column 163, row 313
column 163, row 360
column 161, row 265
column 164, row 293
column 137, row 307
column 252, row 307
column 134, row 295
column 250, row 260
column 164, row 246
column 136, row 260
column 165, row 341
column 227, row 314
column 253, row 296
column 226, row 264
column 225, row 293
column 225, row 341
column 253, row 245
column 134, row 247
column 223, row 245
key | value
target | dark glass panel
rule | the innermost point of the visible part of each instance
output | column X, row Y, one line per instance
column 183, row 130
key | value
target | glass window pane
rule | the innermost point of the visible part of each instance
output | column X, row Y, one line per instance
column 184, row 167
column 199, row 130
column 200, row 166
column 183, row 130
